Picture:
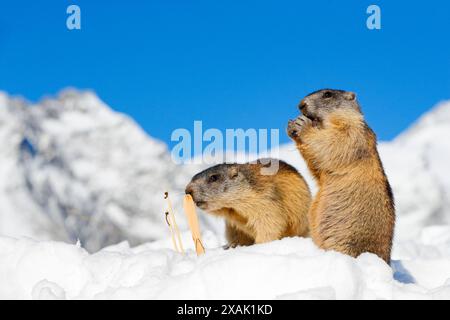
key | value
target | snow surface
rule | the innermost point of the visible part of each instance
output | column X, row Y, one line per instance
column 73, row 170
column 292, row 268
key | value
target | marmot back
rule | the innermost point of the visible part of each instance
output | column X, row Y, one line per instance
column 257, row 207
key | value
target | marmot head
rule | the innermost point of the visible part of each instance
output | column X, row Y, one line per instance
column 318, row 104
column 220, row 186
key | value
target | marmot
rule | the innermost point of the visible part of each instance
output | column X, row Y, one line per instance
column 257, row 207
column 353, row 211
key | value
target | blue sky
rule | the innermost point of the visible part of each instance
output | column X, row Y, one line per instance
column 231, row 64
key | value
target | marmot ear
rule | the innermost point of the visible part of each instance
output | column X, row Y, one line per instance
column 233, row 172
column 350, row 95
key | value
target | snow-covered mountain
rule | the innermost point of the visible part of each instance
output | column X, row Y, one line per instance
column 418, row 165
column 71, row 168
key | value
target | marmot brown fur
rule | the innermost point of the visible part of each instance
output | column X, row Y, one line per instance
column 353, row 211
column 257, row 207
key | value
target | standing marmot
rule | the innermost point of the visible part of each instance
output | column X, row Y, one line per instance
column 353, row 211
column 257, row 208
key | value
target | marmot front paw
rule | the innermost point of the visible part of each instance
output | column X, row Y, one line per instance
column 296, row 126
column 230, row 246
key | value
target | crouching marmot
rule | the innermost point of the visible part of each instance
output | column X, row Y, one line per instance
column 257, row 207
column 353, row 211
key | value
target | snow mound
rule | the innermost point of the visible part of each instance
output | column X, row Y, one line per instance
column 292, row 268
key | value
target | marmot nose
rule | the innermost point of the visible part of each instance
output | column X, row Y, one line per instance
column 302, row 105
column 189, row 190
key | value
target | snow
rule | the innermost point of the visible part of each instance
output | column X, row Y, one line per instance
column 81, row 216
column 292, row 268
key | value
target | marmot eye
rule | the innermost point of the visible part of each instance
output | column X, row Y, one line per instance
column 327, row 94
column 213, row 178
